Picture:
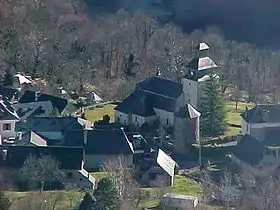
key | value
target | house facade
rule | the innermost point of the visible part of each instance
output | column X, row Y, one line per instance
column 70, row 159
column 262, row 122
column 159, row 172
column 8, row 119
column 101, row 145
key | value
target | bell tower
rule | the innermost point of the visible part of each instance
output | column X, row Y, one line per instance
column 197, row 73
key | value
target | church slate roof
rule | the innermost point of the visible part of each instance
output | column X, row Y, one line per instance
column 161, row 86
column 143, row 103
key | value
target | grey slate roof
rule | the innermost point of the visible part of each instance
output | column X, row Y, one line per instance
column 161, row 86
column 68, row 157
column 143, row 103
column 7, row 111
column 272, row 137
column 26, row 110
column 137, row 103
column 32, row 138
column 50, row 124
column 263, row 113
column 57, row 102
column 200, row 64
column 249, row 150
column 100, row 142
column 8, row 92
column 202, row 46
column 187, row 112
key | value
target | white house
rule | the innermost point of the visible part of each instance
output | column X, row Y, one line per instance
column 8, row 119
column 262, row 122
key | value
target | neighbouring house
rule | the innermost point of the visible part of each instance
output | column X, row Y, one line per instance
column 10, row 93
column 70, row 160
column 265, row 152
column 22, row 80
column 8, row 120
column 93, row 97
column 30, row 96
column 178, row 202
column 158, row 171
column 33, row 109
column 53, row 129
column 101, row 145
column 262, row 122
column 249, row 150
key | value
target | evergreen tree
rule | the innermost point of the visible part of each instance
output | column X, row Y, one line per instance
column 8, row 79
column 5, row 201
column 87, row 202
column 106, row 195
column 83, row 116
column 212, row 108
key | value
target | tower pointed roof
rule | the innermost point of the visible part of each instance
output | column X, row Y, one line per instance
column 188, row 111
column 202, row 46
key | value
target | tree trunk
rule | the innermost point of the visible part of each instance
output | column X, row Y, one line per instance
column 42, row 186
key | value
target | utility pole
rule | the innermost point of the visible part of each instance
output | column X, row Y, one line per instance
column 199, row 142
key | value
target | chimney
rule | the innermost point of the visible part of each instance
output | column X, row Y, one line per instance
column 4, row 154
column 158, row 73
column 19, row 135
column 36, row 95
column 1, row 97
column 246, row 111
column 85, row 136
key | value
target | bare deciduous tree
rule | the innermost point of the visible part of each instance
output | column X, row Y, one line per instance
column 123, row 178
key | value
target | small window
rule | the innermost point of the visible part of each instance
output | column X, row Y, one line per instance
column 167, row 122
column 135, row 119
column 7, row 127
column 69, row 175
column 189, row 84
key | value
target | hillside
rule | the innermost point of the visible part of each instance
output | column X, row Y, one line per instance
column 249, row 21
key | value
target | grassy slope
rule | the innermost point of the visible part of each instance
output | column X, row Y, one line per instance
column 65, row 199
column 233, row 115
column 98, row 112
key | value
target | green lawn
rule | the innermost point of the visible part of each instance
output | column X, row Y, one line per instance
column 99, row 175
column 64, row 199
column 185, row 186
column 98, row 112
column 233, row 115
